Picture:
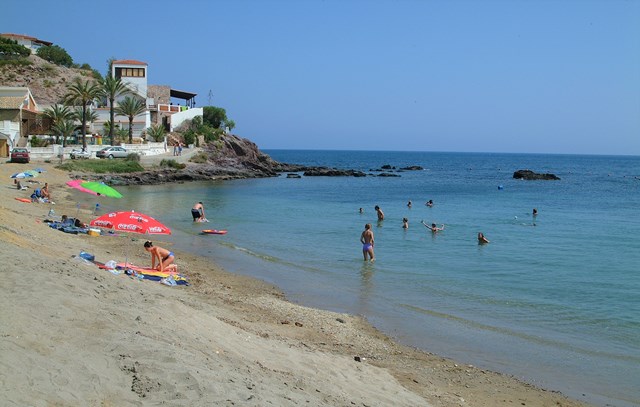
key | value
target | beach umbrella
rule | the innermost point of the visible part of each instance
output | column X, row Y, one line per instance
column 22, row 175
column 75, row 183
column 101, row 189
column 33, row 173
column 132, row 222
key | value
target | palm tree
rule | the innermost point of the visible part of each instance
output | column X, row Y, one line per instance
column 81, row 94
column 111, row 88
column 58, row 114
column 65, row 128
column 121, row 133
column 90, row 116
column 156, row 132
column 131, row 107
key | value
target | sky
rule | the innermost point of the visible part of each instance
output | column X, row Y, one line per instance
column 466, row 76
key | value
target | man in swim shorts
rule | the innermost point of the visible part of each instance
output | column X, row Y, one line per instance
column 367, row 242
column 198, row 212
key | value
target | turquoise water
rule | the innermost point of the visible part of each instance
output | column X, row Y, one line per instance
column 556, row 304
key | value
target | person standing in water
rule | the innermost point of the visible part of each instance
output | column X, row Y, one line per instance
column 366, row 238
column 433, row 227
column 405, row 223
column 198, row 212
column 379, row 212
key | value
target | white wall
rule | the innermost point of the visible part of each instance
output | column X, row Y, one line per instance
column 178, row 118
column 51, row 152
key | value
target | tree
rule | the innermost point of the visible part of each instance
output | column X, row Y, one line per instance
column 121, row 133
column 111, row 88
column 55, row 54
column 58, row 114
column 214, row 116
column 91, row 116
column 81, row 94
column 131, row 107
column 230, row 124
column 65, row 128
column 156, row 132
column 11, row 49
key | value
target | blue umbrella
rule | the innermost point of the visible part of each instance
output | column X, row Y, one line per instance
column 22, row 175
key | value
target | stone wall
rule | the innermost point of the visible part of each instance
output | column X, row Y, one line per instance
column 161, row 94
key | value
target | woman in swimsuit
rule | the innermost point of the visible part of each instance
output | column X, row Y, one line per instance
column 366, row 238
column 164, row 257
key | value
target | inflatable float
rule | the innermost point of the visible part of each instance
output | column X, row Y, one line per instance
column 214, row 232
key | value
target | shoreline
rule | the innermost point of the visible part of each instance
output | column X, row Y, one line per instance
column 226, row 338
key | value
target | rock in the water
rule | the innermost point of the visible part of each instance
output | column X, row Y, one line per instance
column 294, row 176
column 332, row 172
column 530, row 175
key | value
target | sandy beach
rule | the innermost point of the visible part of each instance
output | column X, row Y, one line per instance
column 76, row 335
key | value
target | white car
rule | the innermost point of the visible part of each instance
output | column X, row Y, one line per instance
column 76, row 154
column 112, row 152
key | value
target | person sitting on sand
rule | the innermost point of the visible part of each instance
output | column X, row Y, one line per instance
column 44, row 192
column 482, row 239
column 433, row 227
column 366, row 238
column 162, row 256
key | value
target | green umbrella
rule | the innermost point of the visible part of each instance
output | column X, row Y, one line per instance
column 101, row 189
column 33, row 173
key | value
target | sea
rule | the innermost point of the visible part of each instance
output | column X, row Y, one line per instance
column 553, row 299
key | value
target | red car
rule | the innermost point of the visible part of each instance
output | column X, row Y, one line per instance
column 20, row 155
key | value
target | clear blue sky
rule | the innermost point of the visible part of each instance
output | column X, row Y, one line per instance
column 481, row 76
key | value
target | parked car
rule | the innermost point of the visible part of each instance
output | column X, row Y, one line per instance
column 112, row 152
column 20, row 155
column 75, row 154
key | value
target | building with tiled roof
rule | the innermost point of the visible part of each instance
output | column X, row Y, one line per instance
column 32, row 43
column 18, row 116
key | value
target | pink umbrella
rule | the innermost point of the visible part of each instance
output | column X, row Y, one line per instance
column 133, row 222
column 76, row 184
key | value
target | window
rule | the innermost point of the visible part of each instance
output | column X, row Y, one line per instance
column 130, row 72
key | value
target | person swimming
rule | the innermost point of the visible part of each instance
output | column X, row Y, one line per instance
column 482, row 239
column 433, row 227
column 429, row 203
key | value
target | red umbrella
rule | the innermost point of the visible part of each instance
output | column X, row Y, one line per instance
column 133, row 222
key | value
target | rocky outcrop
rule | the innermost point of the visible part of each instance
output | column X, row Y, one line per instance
column 332, row 172
column 530, row 175
column 230, row 157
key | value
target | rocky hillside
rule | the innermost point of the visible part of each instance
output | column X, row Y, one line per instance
column 47, row 81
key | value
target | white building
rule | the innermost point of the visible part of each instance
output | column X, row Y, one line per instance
column 32, row 43
column 135, row 75
column 19, row 116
